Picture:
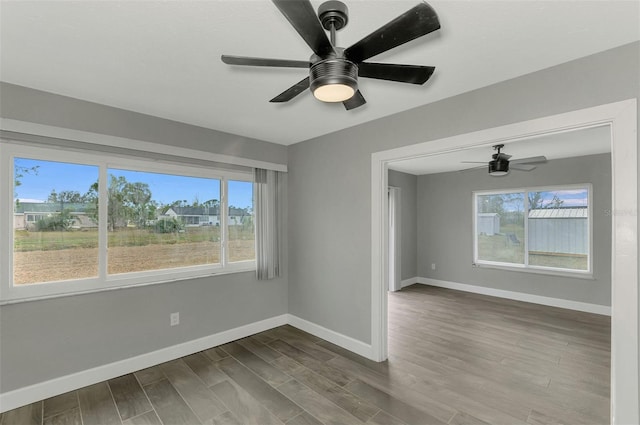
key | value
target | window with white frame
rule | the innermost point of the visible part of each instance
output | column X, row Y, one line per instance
column 546, row 229
column 81, row 222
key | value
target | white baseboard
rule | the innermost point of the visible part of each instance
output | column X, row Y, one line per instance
column 32, row 393
column 519, row 296
column 351, row 344
column 23, row 396
column 409, row 282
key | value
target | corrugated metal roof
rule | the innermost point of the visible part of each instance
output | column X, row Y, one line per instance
column 578, row 212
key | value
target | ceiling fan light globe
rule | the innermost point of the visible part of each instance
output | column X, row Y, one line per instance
column 499, row 173
column 334, row 92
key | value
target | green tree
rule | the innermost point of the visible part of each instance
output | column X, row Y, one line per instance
column 491, row 204
column 116, row 210
column 18, row 173
column 137, row 203
column 91, row 202
column 167, row 225
column 537, row 201
column 66, row 196
column 125, row 201
column 56, row 222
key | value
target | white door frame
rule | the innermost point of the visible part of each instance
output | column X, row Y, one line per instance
column 622, row 119
column 395, row 225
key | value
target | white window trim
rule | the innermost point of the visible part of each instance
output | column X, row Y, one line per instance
column 35, row 291
column 43, row 130
column 526, row 267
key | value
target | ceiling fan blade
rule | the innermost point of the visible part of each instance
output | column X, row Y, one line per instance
column 355, row 101
column 530, row 160
column 521, row 167
column 473, row 162
column 414, row 74
column 472, row 168
column 301, row 14
column 248, row 61
column 292, row 91
column 414, row 23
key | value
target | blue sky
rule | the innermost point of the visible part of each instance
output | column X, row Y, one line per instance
column 165, row 188
column 570, row 198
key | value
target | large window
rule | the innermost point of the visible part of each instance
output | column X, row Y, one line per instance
column 545, row 229
column 81, row 222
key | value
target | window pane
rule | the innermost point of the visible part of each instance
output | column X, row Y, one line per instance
column 559, row 229
column 55, row 221
column 500, row 227
column 160, row 221
column 240, row 221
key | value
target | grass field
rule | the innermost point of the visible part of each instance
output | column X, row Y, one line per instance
column 45, row 241
column 573, row 262
column 501, row 248
column 51, row 256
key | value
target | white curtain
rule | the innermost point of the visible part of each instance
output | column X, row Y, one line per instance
column 267, row 188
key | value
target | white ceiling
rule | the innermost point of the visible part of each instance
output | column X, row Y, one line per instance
column 163, row 57
column 581, row 142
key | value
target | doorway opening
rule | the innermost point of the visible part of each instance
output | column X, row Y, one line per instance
column 621, row 118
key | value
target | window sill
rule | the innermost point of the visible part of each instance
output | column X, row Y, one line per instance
column 119, row 284
column 548, row 272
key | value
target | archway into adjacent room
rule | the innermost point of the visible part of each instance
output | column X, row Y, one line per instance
column 621, row 117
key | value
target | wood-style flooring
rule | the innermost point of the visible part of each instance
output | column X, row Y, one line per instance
column 455, row 358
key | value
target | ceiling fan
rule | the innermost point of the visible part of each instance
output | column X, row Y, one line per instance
column 334, row 71
column 500, row 164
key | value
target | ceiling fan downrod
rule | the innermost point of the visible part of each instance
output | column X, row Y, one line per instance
column 334, row 15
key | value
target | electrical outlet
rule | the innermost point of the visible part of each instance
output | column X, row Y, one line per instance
column 175, row 319
column 433, row 266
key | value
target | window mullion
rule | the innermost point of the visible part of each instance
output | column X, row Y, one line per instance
column 526, row 229
column 103, row 235
column 224, row 232
column 475, row 228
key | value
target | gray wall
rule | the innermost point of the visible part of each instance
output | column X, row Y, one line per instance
column 445, row 228
column 408, row 183
column 40, row 107
column 330, row 176
column 42, row 340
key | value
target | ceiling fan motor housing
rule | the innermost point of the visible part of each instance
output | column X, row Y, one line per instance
column 499, row 166
column 333, row 71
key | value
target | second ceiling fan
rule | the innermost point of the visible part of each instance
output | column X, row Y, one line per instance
column 334, row 71
column 500, row 163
